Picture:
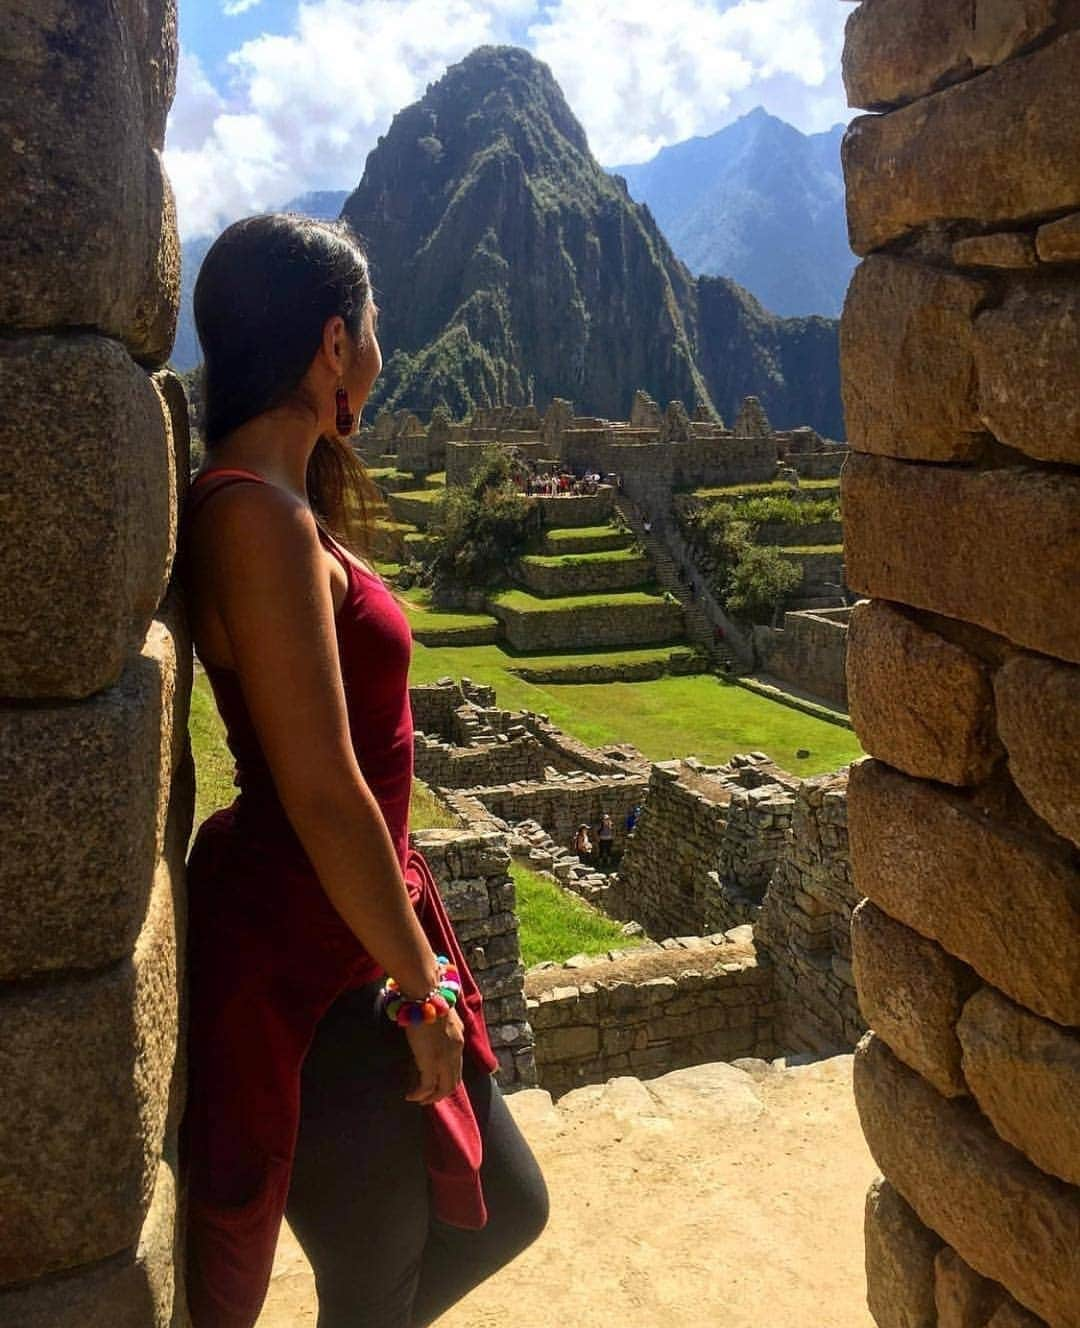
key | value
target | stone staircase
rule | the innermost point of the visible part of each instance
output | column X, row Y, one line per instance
column 699, row 625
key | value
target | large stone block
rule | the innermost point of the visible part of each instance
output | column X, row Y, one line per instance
column 918, row 701
column 898, row 50
column 963, row 1298
column 996, row 149
column 908, row 372
column 83, row 813
column 1025, row 1075
column 899, row 1261
column 1059, row 241
column 89, row 522
column 1000, row 900
column 1011, row 1315
column 87, row 228
column 1028, row 354
column 136, row 1289
column 87, row 1067
column 911, row 993
column 1003, row 1216
column 1038, row 708
column 999, row 548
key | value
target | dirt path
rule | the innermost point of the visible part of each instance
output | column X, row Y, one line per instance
column 706, row 1197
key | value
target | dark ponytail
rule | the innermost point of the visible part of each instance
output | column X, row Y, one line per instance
column 264, row 294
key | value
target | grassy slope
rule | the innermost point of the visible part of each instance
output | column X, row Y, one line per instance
column 555, row 925
column 583, row 559
column 700, row 716
column 523, row 602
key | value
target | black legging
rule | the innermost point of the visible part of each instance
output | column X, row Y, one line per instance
column 358, row 1202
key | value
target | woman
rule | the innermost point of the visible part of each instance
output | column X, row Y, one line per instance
column 403, row 1175
column 605, row 838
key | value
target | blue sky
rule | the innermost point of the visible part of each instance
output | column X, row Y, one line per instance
column 277, row 97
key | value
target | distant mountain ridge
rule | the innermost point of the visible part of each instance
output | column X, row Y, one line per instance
column 758, row 202
column 516, row 270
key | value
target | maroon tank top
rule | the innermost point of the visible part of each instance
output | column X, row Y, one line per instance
column 375, row 648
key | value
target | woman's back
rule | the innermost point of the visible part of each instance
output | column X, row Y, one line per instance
column 374, row 647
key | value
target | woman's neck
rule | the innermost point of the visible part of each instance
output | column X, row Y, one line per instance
column 277, row 445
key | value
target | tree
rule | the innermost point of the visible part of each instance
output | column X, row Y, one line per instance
column 484, row 526
column 760, row 582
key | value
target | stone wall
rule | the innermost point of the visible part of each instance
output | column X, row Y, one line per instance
column 960, row 346
column 561, row 803
column 434, row 704
column 95, row 672
column 578, row 627
column 472, row 868
column 704, row 847
column 443, row 765
column 805, row 924
column 576, row 510
column 604, row 1019
column 590, row 576
column 809, row 651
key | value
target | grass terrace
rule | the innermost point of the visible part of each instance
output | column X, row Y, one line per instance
column 554, row 925
column 520, row 601
column 628, row 555
column 825, row 488
column 586, row 539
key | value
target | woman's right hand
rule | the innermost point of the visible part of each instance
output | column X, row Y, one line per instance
column 437, row 1049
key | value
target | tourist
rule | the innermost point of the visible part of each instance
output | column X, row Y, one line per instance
column 605, row 838
column 306, row 1094
column 646, row 525
column 632, row 818
column 582, row 844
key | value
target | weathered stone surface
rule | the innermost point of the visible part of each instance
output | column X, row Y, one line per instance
column 1025, row 1075
column 911, row 993
column 87, row 1066
column 898, row 50
column 87, row 229
column 996, row 149
column 908, row 374
column 947, row 540
column 963, row 1298
column 1038, row 708
column 1059, row 241
column 1003, row 902
column 1012, row 1315
column 1008, row 249
column 135, row 1289
column 899, row 1261
column 918, row 701
column 1028, row 356
column 1003, row 1216
column 89, row 518
column 83, row 812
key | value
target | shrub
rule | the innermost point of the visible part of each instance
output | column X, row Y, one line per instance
column 482, row 527
column 759, row 583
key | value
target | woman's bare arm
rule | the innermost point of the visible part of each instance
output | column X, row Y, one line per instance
column 272, row 592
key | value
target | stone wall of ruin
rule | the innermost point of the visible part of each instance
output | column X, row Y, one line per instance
column 961, row 345
column 704, row 847
column 472, row 868
column 443, row 765
column 804, row 927
column 581, row 627
column 95, row 673
column 606, row 1019
column 809, row 651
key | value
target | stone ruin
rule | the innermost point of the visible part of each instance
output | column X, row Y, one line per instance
column 960, row 353
column 742, row 855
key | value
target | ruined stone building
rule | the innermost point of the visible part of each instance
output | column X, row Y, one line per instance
column 961, row 346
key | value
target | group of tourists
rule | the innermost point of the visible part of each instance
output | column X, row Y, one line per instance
column 584, row 844
column 567, row 483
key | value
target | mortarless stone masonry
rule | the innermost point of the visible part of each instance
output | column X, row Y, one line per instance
column 962, row 520
column 95, row 671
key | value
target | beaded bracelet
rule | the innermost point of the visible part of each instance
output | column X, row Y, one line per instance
column 435, row 1005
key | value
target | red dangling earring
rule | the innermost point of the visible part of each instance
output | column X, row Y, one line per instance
column 345, row 417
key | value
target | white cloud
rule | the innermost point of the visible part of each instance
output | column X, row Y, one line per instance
column 641, row 75
column 231, row 8
column 302, row 109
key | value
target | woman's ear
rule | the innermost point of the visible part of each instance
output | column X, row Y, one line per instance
column 334, row 339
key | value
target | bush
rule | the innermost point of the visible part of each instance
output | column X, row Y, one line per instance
column 760, row 582
column 788, row 511
column 483, row 527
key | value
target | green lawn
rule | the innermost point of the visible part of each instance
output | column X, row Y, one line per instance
column 583, row 559
column 809, row 548
column 701, row 715
column 523, row 602
column 768, row 490
column 554, row 924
